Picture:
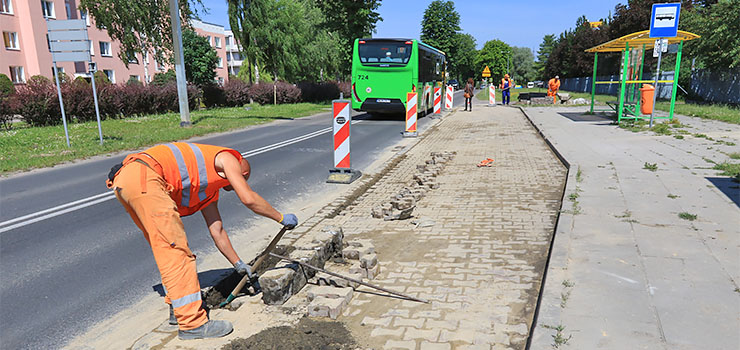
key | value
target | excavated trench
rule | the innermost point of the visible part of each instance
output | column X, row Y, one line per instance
column 307, row 334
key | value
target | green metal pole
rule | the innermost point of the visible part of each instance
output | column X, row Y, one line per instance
column 675, row 80
column 593, row 82
column 642, row 64
column 624, row 79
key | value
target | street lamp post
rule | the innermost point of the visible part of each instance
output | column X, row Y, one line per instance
column 182, row 90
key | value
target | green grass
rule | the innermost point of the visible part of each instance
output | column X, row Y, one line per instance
column 734, row 155
column 728, row 169
column 26, row 148
column 687, row 216
column 650, row 166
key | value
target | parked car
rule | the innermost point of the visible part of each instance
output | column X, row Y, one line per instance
column 530, row 85
column 453, row 82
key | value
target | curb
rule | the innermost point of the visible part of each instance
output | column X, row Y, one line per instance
column 557, row 258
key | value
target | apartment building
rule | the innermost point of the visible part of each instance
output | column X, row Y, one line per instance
column 234, row 57
column 25, row 50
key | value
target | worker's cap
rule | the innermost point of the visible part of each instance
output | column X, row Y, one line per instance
column 506, row 75
column 557, row 77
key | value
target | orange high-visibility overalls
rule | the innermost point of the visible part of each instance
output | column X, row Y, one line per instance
column 157, row 187
column 552, row 89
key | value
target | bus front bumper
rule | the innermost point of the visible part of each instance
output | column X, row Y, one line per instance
column 383, row 105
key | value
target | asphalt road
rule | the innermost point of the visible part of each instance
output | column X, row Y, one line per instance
column 70, row 256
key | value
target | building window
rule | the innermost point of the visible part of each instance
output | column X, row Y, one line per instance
column 83, row 15
column 133, row 77
column 60, row 71
column 208, row 37
column 228, row 41
column 6, row 6
column 105, row 49
column 47, row 8
column 16, row 75
column 220, row 62
column 110, row 74
column 217, row 41
column 132, row 58
column 11, row 40
column 92, row 48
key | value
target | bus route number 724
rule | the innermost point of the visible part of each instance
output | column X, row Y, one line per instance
column 362, row 77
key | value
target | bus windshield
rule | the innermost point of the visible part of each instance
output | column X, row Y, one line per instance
column 384, row 52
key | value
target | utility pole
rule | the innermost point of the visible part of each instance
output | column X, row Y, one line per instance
column 182, row 90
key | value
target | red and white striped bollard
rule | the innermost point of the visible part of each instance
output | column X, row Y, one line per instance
column 437, row 100
column 342, row 173
column 411, row 100
column 448, row 97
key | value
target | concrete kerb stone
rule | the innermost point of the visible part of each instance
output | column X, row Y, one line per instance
column 556, row 271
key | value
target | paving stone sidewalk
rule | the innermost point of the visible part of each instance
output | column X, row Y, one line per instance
column 627, row 271
column 480, row 244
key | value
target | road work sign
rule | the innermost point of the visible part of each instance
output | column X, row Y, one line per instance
column 664, row 20
column 486, row 72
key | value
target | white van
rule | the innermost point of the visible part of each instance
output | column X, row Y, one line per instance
column 530, row 85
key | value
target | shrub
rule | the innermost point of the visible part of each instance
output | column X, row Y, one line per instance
column 78, row 100
column 6, row 86
column 236, row 92
column 213, row 95
column 101, row 79
column 345, row 88
column 262, row 93
column 164, row 78
column 6, row 109
column 38, row 103
column 318, row 92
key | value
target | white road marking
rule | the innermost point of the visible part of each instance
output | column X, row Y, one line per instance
column 102, row 197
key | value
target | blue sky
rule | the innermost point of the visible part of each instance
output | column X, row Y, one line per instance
column 516, row 22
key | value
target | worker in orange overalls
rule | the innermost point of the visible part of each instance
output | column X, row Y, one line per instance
column 506, row 86
column 552, row 88
column 165, row 182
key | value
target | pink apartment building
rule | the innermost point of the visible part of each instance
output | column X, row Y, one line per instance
column 25, row 50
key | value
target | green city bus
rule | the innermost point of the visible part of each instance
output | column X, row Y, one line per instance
column 384, row 70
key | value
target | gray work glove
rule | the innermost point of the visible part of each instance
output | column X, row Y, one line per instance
column 243, row 268
column 290, row 221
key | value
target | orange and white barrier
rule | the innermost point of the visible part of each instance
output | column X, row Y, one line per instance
column 341, row 133
column 491, row 95
column 410, row 115
column 448, row 97
column 437, row 100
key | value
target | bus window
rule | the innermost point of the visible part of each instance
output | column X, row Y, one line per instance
column 385, row 52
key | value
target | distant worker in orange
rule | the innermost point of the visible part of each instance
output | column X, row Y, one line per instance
column 165, row 182
column 505, row 86
column 552, row 88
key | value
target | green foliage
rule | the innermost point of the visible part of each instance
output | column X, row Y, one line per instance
column 288, row 46
column 138, row 25
column 464, row 66
column 522, row 65
column 494, row 55
column 650, row 166
column 687, row 216
column 349, row 20
column 164, row 78
column 439, row 28
column 719, row 28
column 543, row 54
column 568, row 58
column 200, row 58
column 101, row 79
column 728, row 169
column 6, row 86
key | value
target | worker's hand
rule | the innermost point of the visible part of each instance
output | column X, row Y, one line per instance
column 290, row 221
column 243, row 269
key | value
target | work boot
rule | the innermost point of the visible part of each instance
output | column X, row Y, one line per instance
column 211, row 329
column 173, row 319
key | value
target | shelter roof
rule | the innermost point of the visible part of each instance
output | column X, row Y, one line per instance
column 638, row 39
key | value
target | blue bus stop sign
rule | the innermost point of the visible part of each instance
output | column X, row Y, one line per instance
column 664, row 20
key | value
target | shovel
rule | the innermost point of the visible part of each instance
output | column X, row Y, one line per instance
column 260, row 259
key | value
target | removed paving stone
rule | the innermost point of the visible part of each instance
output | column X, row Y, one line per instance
column 307, row 334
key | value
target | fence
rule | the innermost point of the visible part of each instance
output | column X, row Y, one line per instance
column 719, row 87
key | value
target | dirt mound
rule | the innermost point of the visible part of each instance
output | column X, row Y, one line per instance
column 307, row 334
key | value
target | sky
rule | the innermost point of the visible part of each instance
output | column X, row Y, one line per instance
column 516, row 22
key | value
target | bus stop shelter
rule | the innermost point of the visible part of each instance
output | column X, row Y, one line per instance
column 633, row 48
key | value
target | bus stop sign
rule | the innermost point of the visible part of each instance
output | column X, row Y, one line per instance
column 664, row 20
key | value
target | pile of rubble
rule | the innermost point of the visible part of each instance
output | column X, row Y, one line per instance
column 403, row 203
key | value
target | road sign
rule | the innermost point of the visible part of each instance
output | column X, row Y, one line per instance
column 661, row 45
column 664, row 20
column 486, row 72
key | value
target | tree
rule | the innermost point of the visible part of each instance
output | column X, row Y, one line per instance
column 439, row 28
column 717, row 24
column 494, row 55
column 543, row 54
column 200, row 58
column 464, row 65
column 246, row 17
column 138, row 25
column 522, row 64
column 349, row 20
